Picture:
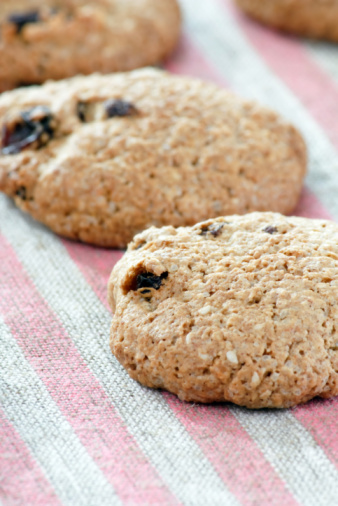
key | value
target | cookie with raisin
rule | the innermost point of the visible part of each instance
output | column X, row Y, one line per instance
column 240, row 309
column 55, row 39
column 100, row 158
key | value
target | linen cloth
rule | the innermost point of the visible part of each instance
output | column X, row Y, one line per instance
column 74, row 428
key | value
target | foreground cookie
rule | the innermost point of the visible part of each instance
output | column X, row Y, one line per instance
column 241, row 309
column 101, row 158
column 312, row 18
column 54, row 39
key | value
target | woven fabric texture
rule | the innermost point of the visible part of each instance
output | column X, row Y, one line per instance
column 74, row 429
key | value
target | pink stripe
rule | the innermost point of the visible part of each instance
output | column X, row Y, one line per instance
column 309, row 207
column 188, row 61
column 22, row 480
column 321, row 419
column 288, row 58
column 83, row 401
column 95, row 264
column 229, row 454
column 235, row 456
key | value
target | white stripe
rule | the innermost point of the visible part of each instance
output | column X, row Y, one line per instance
column 28, row 405
column 223, row 43
column 161, row 436
column 326, row 56
column 303, row 465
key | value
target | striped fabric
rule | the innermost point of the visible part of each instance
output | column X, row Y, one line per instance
column 74, row 429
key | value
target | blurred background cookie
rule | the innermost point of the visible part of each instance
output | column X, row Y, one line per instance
column 312, row 18
column 100, row 158
column 55, row 39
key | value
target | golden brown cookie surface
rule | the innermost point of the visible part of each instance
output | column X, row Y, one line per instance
column 55, row 39
column 311, row 18
column 100, row 158
column 241, row 309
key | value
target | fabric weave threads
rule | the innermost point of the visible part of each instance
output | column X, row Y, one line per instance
column 74, row 427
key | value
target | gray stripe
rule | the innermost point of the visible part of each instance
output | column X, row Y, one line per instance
column 163, row 439
column 216, row 33
column 29, row 407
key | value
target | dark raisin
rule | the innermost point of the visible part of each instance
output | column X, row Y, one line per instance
column 150, row 280
column 214, row 229
column 119, row 108
column 25, row 84
column 21, row 192
column 24, row 18
column 270, row 229
column 34, row 126
column 81, row 109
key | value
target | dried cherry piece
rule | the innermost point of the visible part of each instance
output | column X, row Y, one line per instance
column 120, row 108
column 149, row 280
column 270, row 229
column 35, row 126
column 21, row 19
column 214, row 229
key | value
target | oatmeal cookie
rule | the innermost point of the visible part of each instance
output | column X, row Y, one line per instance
column 55, row 39
column 240, row 308
column 312, row 18
column 100, row 158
